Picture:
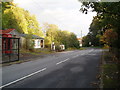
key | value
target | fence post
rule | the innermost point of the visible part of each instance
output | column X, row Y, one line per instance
column 18, row 49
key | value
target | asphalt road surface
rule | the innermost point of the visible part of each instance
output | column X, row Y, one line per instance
column 68, row 69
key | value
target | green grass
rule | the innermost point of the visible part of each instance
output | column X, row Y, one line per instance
column 70, row 49
column 96, row 47
column 110, row 72
column 110, row 76
column 82, row 48
column 36, row 52
column 23, row 51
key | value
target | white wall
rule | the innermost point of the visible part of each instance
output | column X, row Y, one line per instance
column 37, row 43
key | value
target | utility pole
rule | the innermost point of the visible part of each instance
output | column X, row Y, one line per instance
column 81, row 34
column 81, row 39
column 51, row 42
column 51, row 36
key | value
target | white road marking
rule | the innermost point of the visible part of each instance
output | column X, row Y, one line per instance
column 23, row 78
column 82, row 53
column 75, row 56
column 39, row 71
column 62, row 61
column 66, row 52
column 91, row 50
column 91, row 54
column 87, row 52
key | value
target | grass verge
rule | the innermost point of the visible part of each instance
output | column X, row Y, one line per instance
column 110, row 74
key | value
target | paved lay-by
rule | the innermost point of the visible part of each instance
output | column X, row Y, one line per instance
column 69, row 69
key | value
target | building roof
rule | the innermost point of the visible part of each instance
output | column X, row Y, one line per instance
column 33, row 36
column 14, row 32
column 6, row 31
column 79, row 39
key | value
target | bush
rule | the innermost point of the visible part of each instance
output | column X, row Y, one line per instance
column 57, row 48
column 29, row 43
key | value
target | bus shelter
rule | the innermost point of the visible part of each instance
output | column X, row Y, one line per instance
column 10, row 48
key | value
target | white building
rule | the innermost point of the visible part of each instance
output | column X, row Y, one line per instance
column 38, row 41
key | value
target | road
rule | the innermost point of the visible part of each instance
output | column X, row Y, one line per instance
column 69, row 69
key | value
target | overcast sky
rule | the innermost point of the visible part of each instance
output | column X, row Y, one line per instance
column 64, row 13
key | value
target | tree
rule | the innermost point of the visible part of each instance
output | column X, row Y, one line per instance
column 14, row 18
column 54, row 34
column 20, row 19
column 7, row 5
column 109, row 37
column 85, row 41
column 73, row 42
column 50, row 33
column 108, row 14
column 3, row 7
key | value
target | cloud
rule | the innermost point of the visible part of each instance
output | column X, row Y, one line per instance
column 64, row 13
column 71, row 20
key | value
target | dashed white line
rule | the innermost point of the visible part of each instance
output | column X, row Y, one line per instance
column 62, row 61
column 75, row 56
column 82, row 53
column 91, row 50
column 23, row 78
column 38, row 71
column 91, row 54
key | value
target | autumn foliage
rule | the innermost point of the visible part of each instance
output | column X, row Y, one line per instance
column 109, row 37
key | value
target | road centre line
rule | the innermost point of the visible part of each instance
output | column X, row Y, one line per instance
column 82, row 53
column 37, row 72
column 91, row 50
column 87, row 52
column 23, row 78
column 91, row 54
column 62, row 61
column 75, row 56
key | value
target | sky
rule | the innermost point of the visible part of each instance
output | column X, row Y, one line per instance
column 64, row 13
